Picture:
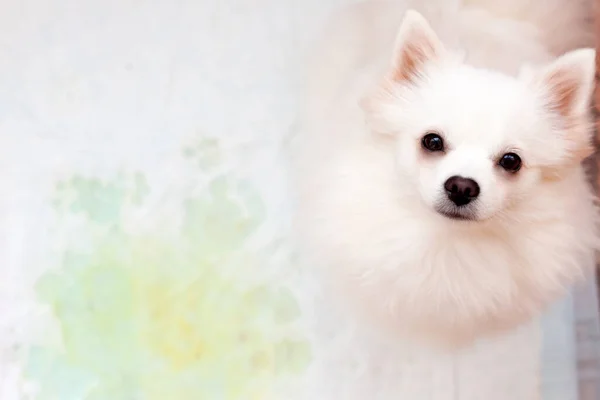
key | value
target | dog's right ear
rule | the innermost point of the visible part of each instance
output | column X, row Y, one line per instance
column 416, row 46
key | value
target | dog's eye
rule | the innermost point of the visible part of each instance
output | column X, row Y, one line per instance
column 432, row 142
column 510, row 162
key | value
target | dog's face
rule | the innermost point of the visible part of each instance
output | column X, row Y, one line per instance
column 475, row 142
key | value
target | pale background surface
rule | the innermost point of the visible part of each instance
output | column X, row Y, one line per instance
column 102, row 85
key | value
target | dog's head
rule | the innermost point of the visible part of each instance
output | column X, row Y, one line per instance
column 501, row 154
column 474, row 141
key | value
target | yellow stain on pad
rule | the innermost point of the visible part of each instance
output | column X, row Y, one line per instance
column 164, row 317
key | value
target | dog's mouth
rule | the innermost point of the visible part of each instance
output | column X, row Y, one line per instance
column 456, row 215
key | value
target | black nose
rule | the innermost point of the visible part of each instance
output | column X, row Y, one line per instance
column 461, row 191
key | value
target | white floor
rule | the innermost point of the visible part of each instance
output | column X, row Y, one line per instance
column 100, row 86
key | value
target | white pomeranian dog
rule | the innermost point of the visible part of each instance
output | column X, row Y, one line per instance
column 439, row 176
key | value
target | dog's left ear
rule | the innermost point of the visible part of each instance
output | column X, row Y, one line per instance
column 567, row 85
column 415, row 48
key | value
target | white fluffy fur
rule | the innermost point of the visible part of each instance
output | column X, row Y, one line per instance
column 367, row 192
